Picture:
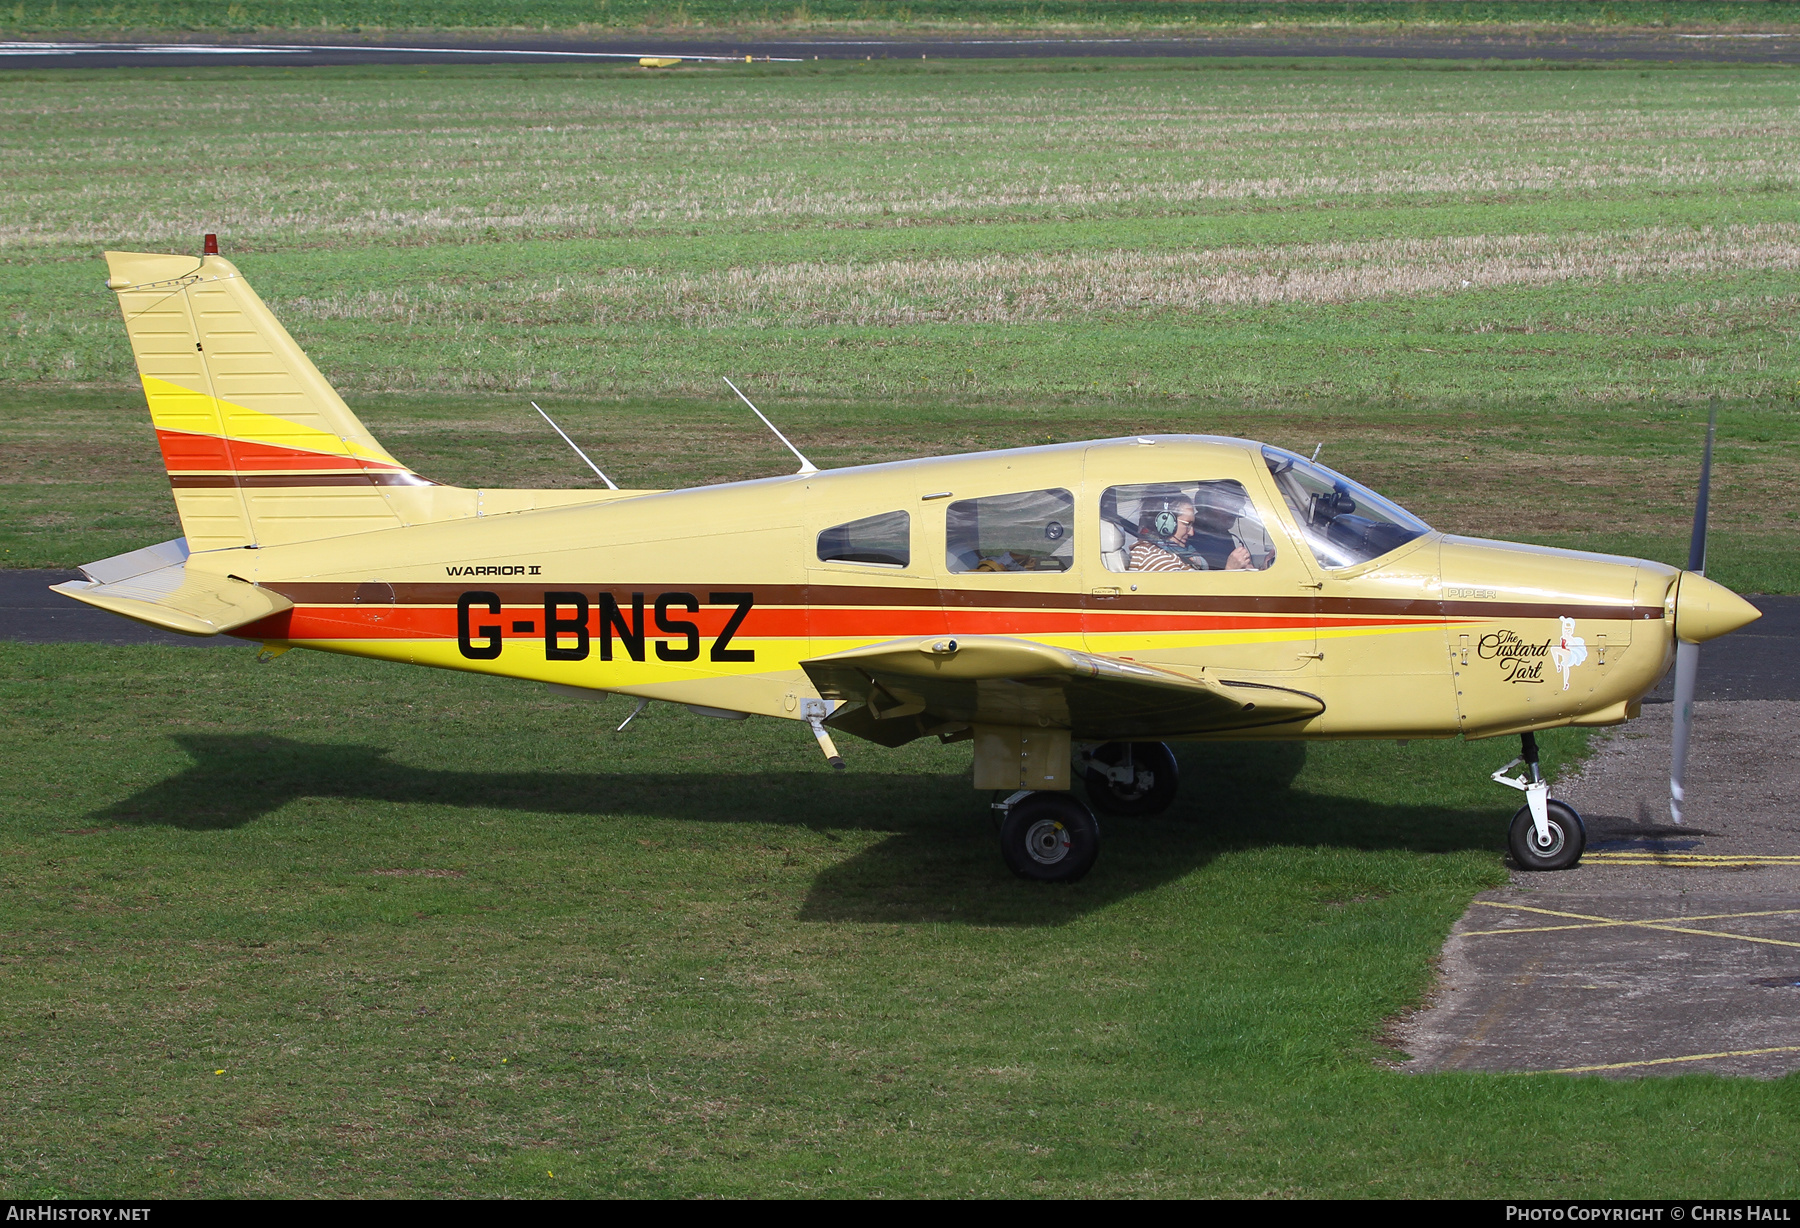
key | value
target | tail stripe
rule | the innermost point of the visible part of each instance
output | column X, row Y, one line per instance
column 183, row 451
column 178, row 410
column 257, row 481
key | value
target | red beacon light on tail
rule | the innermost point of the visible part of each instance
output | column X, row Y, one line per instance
column 212, row 246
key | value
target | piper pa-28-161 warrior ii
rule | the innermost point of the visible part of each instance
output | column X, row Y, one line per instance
column 1068, row 610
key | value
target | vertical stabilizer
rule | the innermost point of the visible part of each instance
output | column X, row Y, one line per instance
column 260, row 449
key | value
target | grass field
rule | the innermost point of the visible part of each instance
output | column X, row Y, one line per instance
column 40, row 17
column 322, row 926
column 1504, row 297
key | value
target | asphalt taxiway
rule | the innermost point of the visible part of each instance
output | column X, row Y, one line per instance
column 1668, row 950
column 31, row 614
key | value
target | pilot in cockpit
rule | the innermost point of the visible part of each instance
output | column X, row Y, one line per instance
column 1169, row 539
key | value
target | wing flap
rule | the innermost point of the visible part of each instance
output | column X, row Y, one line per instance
column 172, row 597
column 912, row 687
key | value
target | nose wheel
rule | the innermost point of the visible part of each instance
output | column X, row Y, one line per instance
column 1545, row 834
column 1047, row 837
column 1557, row 847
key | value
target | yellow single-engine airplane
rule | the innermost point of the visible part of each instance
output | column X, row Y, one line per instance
column 1067, row 609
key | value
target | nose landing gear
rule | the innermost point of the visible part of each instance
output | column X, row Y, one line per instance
column 1545, row 834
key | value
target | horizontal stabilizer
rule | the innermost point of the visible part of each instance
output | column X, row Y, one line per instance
column 147, row 586
column 912, row 687
column 171, row 553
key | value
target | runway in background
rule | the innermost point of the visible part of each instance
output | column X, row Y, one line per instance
column 347, row 49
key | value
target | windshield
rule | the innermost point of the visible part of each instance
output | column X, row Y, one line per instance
column 1343, row 522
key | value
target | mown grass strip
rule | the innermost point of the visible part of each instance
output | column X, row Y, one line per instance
column 385, row 155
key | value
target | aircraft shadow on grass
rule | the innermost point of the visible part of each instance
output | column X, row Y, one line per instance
column 937, row 864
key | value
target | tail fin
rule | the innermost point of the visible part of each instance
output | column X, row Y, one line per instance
column 260, row 449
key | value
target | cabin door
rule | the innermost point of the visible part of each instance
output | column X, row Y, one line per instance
column 1187, row 568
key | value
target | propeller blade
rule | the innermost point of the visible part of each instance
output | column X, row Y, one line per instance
column 1687, row 666
column 1697, row 540
column 1687, row 656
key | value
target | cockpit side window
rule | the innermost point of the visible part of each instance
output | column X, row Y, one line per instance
column 1030, row 531
column 1344, row 523
column 1182, row 527
column 878, row 541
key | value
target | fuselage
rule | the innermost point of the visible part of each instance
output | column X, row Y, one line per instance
column 713, row 596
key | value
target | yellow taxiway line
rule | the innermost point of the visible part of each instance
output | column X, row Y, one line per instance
column 1665, row 1061
column 1713, row 860
column 1665, row 924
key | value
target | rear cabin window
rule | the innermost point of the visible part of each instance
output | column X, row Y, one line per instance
column 878, row 541
column 1030, row 531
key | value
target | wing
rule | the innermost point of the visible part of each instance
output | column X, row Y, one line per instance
column 913, row 687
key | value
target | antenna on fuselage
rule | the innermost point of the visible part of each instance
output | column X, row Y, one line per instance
column 571, row 443
column 806, row 466
column 1318, row 450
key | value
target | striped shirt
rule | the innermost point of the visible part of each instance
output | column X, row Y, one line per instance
column 1147, row 556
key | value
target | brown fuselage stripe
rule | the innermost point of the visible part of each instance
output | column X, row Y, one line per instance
column 361, row 477
column 825, row 595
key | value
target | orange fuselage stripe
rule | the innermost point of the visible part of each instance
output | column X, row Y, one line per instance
column 399, row 622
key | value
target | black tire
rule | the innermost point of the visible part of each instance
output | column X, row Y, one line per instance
column 1150, row 794
column 1050, row 838
column 1568, row 838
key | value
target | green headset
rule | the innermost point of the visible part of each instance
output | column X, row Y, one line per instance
column 1164, row 520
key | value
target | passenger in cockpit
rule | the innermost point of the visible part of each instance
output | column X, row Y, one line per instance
column 1216, row 538
column 1166, row 540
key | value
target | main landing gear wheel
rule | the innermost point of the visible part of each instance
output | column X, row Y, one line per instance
column 1148, row 790
column 1568, row 838
column 1049, row 838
